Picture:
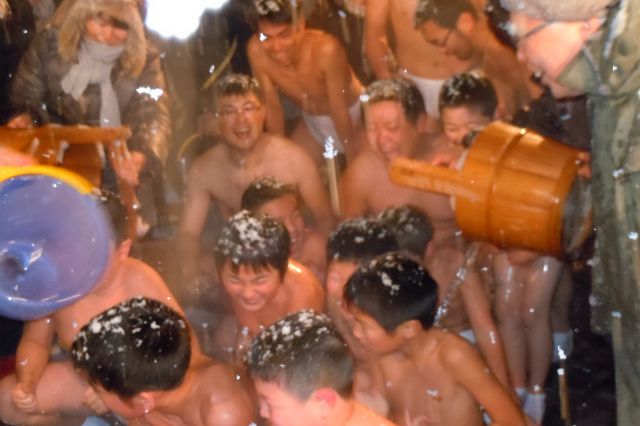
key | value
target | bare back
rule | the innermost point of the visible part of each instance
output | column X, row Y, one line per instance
column 132, row 278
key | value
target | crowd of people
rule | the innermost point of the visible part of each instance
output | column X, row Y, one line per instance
column 372, row 311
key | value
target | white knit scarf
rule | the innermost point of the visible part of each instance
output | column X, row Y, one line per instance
column 95, row 62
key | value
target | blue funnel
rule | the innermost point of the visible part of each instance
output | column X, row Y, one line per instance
column 54, row 245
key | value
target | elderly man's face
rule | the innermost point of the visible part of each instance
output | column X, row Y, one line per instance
column 549, row 47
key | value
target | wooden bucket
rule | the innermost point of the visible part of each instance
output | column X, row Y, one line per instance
column 514, row 188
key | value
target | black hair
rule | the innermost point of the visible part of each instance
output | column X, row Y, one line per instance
column 410, row 226
column 265, row 189
column 137, row 345
column 253, row 239
column 274, row 12
column 302, row 352
column 471, row 90
column 397, row 89
column 444, row 13
column 360, row 239
column 393, row 289
column 235, row 84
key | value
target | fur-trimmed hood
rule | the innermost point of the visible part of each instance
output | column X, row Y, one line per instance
column 70, row 19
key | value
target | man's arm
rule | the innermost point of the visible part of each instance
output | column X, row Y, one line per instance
column 353, row 191
column 376, row 43
column 32, row 357
column 312, row 190
column 194, row 216
column 338, row 77
column 275, row 114
column 466, row 367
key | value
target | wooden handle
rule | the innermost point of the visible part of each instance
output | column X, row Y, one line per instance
column 424, row 176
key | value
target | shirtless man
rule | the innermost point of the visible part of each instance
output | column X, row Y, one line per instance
column 40, row 389
column 262, row 282
column 425, row 64
column 122, row 350
column 311, row 68
column 245, row 153
column 456, row 30
column 395, row 124
column 432, row 376
column 303, row 373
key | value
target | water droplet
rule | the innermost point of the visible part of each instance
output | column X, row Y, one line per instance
column 633, row 236
column 433, row 393
column 617, row 173
column 24, row 362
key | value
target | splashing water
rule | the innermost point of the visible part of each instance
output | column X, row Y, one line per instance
column 461, row 274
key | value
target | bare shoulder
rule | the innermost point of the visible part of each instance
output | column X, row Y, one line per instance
column 225, row 400
column 364, row 167
column 304, row 287
column 453, row 351
column 324, row 43
column 140, row 279
column 276, row 145
column 255, row 52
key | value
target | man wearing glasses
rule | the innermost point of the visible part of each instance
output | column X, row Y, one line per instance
column 455, row 29
column 591, row 47
column 245, row 152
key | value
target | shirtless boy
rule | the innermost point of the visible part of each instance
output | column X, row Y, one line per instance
column 463, row 301
column 425, row 64
column 356, row 241
column 245, row 153
column 262, row 282
column 137, row 356
column 282, row 202
column 40, row 389
column 432, row 376
column 303, row 373
column 395, row 124
column 456, row 30
column 311, row 68
column 524, row 280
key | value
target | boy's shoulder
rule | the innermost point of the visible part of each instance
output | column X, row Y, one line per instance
column 303, row 288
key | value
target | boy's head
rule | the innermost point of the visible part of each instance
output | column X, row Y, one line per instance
column 252, row 256
column 355, row 241
column 280, row 25
column 410, row 226
column 467, row 102
column 133, row 349
column 395, row 116
column 238, row 105
column 280, row 201
column 301, row 368
column 391, row 298
column 448, row 25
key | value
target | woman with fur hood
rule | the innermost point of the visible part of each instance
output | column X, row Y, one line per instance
column 92, row 65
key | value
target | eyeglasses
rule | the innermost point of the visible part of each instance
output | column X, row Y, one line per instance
column 246, row 109
column 517, row 40
column 443, row 42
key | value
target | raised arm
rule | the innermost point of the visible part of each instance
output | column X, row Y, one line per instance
column 312, row 190
column 466, row 367
column 275, row 114
column 194, row 216
column 376, row 43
